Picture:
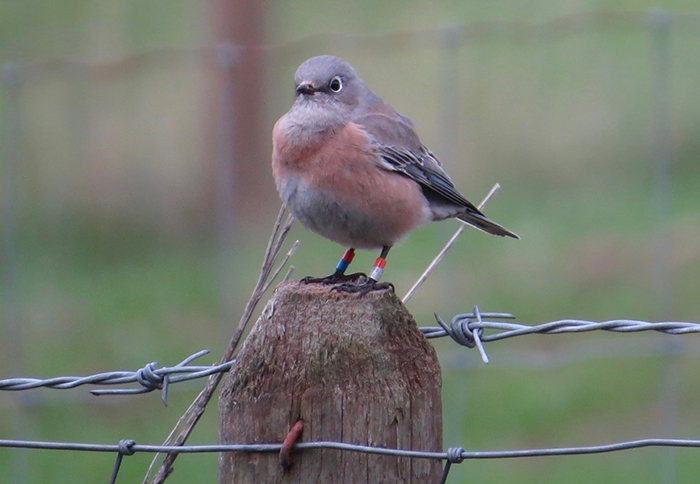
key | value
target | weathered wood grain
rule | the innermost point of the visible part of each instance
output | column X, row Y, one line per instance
column 355, row 368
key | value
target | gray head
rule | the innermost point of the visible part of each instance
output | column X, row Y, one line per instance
column 330, row 80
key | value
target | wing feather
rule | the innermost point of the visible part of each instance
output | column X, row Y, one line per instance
column 401, row 151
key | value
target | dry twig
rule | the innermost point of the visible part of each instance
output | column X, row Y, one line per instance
column 189, row 419
column 445, row 249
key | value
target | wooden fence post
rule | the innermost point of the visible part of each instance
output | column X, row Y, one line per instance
column 355, row 368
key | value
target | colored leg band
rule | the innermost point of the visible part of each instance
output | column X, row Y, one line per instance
column 342, row 266
column 378, row 269
column 345, row 261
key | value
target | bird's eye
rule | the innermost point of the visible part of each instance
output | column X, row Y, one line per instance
column 336, row 84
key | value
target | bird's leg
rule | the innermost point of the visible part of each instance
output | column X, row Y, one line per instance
column 372, row 282
column 339, row 274
column 379, row 265
column 343, row 264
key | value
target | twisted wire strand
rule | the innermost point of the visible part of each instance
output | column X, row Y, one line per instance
column 469, row 329
column 149, row 378
column 466, row 329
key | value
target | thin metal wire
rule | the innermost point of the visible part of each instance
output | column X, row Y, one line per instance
column 468, row 329
column 125, row 448
column 516, row 30
column 457, row 360
column 445, row 472
column 149, row 377
column 471, row 331
column 454, row 456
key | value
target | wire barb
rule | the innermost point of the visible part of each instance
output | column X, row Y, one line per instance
column 149, row 377
column 468, row 329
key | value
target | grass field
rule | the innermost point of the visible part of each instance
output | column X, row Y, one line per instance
column 566, row 123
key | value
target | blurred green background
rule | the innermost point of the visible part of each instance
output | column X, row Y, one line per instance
column 114, row 253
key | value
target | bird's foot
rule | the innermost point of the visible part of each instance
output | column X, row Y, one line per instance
column 334, row 278
column 364, row 287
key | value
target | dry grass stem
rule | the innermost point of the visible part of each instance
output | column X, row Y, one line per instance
column 446, row 249
column 281, row 265
column 189, row 419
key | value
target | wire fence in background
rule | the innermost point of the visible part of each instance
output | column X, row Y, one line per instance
column 468, row 330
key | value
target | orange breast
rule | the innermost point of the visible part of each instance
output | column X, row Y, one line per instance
column 373, row 206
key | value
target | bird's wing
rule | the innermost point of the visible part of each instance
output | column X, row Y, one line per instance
column 400, row 150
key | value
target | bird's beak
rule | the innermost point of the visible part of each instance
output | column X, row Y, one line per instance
column 306, row 88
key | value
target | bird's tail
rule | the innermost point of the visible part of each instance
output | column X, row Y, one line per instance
column 481, row 222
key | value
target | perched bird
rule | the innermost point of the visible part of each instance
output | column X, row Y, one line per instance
column 352, row 169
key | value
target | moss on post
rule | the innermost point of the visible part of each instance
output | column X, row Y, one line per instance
column 356, row 369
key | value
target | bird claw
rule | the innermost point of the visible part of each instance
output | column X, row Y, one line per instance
column 364, row 288
column 334, row 278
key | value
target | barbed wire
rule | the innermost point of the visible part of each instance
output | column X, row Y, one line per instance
column 454, row 455
column 149, row 377
column 467, row 329
column 458, row 360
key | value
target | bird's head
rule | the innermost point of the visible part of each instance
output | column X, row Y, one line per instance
column 328, row 79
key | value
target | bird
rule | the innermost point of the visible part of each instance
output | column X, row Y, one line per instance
column 352, row 169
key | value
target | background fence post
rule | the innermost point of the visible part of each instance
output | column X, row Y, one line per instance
column 226, row 182
column 355, row 369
